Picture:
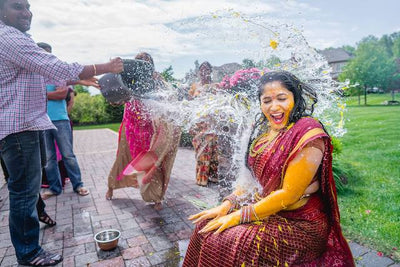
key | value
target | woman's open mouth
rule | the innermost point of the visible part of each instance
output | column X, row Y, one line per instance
column 277, row 118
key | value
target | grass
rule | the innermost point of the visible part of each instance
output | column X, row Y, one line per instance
column 372, row 99
column 370, row 204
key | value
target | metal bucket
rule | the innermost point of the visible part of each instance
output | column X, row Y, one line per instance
column 135, row 81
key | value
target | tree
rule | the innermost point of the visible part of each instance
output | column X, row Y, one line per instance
column 248, row 63
column 371, row 67
column 349, row 49
column 80, row 89
column 167, row 74
column 270, row 62
column 196, row 65
column 387, row 42
column 396, row 48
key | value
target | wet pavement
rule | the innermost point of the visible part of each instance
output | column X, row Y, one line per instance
column 148, row 237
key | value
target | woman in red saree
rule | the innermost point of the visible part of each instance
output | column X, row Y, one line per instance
column 294, row 221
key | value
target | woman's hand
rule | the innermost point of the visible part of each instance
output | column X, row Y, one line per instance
column 213, row 213
column 222, row 223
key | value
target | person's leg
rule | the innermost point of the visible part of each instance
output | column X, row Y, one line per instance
column 40, row 206
column 51, row 167
column 4, row 168
column 42, row 214
column 64, row 142
column 21, row 154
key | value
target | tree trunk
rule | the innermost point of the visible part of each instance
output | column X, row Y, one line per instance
column 392, row 94
column 365, row 95
column 359, row 96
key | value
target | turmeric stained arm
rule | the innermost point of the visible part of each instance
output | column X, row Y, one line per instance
column 298, row 176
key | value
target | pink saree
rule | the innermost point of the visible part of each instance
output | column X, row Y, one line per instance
column 138, row 128
column 307, row 236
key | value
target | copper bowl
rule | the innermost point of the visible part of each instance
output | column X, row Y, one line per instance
column 107, row 239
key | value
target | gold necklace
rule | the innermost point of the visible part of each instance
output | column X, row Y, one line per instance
column 265, row 139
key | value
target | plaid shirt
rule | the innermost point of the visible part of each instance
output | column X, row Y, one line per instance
column 23, row 66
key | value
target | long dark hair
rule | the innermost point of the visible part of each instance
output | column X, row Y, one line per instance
column 146, row 57
column 304, row 100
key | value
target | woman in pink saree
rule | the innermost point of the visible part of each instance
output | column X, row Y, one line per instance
column 294, row 221
column 140, row 135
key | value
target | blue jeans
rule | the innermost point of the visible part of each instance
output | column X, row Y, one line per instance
column 23, row 155
column 63, row 136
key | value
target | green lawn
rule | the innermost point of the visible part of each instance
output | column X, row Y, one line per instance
column 372, row 99
column 370, row 205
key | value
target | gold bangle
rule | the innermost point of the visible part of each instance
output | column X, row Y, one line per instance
column 254, row 212
column 95, row 70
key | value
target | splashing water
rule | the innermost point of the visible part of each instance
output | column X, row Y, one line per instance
column 276, row 46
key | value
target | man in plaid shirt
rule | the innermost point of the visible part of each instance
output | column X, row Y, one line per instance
column 23, row 118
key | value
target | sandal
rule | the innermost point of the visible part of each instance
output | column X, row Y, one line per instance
column 45, row 259
column 82, row 191
column 45, row 218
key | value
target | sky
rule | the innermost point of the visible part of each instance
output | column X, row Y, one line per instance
column 93, row 31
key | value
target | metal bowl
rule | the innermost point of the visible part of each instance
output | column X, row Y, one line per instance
column 107, row 239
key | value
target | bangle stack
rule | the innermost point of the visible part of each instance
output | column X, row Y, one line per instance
column 234, row 203
column 245, row 214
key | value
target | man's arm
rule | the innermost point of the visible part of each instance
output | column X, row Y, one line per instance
column 23, row 52
column 59, row 94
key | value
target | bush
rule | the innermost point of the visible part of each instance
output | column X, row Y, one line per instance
column 89, row 110
column 186, row 140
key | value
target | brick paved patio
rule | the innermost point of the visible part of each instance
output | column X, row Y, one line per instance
column 149, row 237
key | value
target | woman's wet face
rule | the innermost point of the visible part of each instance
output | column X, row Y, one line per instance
column 277, row 103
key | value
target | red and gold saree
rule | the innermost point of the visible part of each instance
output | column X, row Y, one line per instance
column 306, row 236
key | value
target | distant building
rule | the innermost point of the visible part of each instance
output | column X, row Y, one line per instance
column 227, row 69
column 337, row 59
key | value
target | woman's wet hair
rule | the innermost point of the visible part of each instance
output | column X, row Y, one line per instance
column 146, row 57
column 206, row 64
column 301, row 93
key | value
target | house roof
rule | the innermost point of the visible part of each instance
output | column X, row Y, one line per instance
column 335, row 55
column 228, row 68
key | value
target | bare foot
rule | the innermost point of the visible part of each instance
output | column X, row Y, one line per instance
column 109, row 194
column 158, row 206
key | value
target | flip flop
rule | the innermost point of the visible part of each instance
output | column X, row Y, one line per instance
column 47, row 194
column 82, row 191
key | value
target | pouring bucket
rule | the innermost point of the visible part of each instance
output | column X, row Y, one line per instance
column 135, row 81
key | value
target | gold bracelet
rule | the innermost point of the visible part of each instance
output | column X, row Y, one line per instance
column 95, row 70
column 254, row 212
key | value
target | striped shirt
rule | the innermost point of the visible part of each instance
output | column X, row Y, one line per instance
column 23, row 66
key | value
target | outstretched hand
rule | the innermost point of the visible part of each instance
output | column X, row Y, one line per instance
column 222, row 223
column 89, row 82
column 116, row 65
column 213, row 213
